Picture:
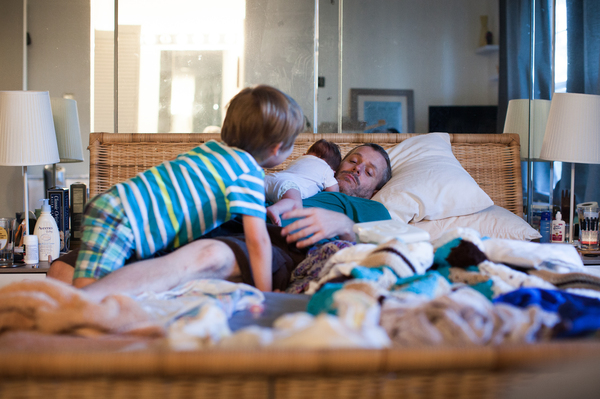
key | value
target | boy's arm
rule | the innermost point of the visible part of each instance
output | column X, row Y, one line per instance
column 259, row 249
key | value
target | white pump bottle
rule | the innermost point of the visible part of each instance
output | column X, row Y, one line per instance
column 47, row 232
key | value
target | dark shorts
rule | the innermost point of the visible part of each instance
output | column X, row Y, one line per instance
column 285, row 256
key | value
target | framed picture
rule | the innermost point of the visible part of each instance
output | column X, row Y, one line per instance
column 383, row 110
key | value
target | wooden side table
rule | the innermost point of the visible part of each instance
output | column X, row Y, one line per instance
column 590, row 257
column 31, row 272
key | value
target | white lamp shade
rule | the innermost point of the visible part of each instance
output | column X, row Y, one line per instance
column 573, row 129
column 26, row 129
column 525, row 116
column 66, row 125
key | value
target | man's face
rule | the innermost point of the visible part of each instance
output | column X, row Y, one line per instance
column 361, row 171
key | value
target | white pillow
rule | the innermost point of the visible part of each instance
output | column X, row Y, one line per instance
column 494, row 222
column 428, row 182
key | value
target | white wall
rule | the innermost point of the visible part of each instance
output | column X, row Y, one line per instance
column 424, row 45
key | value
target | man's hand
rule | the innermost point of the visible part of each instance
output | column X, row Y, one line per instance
column 321, row 223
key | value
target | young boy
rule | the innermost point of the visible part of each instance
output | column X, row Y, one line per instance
column 311, row 173
column 172, row 204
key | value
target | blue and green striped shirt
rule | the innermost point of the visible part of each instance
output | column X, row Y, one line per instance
column 178, row 201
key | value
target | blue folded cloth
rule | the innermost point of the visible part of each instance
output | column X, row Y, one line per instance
column 579, row 315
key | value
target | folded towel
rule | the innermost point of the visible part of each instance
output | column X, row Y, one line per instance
column 531, row 255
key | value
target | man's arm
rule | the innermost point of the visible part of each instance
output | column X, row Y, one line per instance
column 259, row 251
column 319, row 222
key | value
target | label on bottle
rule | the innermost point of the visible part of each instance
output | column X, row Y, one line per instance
column 3, row 237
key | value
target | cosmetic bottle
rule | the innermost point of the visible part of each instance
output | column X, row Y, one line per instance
column 31, row 249
column 545, row 226
column 558, row 228
column 47, row 232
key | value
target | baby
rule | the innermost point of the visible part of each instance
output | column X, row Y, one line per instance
column 306, row 176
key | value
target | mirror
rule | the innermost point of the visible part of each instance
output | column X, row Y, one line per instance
column 429, row 48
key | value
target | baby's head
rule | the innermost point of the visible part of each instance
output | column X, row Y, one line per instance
column 327, row 151
column 260, row 117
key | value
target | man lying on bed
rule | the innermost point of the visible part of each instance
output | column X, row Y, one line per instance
column 223, row 253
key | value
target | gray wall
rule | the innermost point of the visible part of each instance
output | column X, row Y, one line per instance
column 58, row 61
column 11, row 78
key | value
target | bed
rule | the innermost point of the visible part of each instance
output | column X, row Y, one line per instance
column 34, row 365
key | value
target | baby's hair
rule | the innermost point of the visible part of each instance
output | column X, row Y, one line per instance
column 327, row 151
column 259, row 117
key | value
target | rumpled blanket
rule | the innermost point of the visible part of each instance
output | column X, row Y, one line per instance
column 384, row 263
column 309, row 269
column 464, row 317
column 579, row 315
column 52, row 307
column 302, row 330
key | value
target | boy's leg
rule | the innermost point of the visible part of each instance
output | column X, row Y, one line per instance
column 200, row 259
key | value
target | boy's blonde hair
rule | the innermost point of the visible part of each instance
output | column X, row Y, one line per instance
column 259, row 117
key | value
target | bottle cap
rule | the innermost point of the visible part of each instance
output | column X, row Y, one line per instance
column 45, row 205
column 558, row 215
column 30, row 239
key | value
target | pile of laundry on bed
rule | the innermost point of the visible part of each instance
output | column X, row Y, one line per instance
column 460, row 290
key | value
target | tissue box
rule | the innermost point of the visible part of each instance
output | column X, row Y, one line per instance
column 59, row 208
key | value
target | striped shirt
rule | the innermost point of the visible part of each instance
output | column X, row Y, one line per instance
column 177, row 201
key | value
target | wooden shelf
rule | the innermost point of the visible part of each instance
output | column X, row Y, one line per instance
column 490, row 48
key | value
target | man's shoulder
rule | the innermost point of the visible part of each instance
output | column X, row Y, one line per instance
column 358, row 209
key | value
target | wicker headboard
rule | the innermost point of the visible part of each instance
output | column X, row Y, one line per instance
column 492, row 159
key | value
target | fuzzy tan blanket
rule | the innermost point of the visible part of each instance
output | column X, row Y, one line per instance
column 52, row 307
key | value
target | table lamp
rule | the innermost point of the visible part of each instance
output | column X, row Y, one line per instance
column 27, row 135
column 523, row 117
column 68, row 136
column 573, row 135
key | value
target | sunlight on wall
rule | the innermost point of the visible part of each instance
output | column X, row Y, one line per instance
column 187, row 56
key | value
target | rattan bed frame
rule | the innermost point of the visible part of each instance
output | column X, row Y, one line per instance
column 483, row 372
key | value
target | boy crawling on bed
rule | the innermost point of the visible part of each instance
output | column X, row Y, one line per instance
column 174, row 203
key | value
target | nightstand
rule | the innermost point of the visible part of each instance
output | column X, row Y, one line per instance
column 35, row 271
column 590, row 258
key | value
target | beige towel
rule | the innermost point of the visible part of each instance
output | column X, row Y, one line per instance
column 52, row 307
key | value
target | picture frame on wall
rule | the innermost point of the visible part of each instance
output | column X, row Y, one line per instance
column 383, row 110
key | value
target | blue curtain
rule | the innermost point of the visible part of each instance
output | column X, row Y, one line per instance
column 583, row 52
column 515, row 69
column 515, row 52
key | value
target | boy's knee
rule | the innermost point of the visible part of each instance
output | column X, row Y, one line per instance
column 214, row 257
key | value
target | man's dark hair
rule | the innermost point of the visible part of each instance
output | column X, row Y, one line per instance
column 387, row 173
column 328, row 152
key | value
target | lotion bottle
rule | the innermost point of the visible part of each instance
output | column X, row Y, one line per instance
column 48, row 236
column 558, row 228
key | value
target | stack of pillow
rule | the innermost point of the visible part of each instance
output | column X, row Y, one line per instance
column 430, row 189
